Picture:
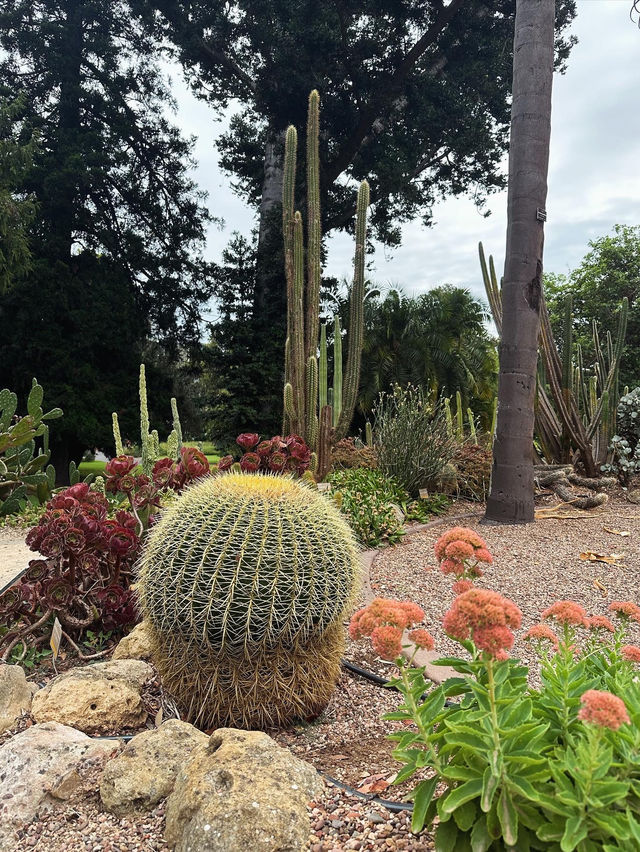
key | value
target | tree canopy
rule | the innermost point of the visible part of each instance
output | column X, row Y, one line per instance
column 120, row 224
column 608, row 272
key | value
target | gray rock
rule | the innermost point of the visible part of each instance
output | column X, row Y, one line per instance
column 241, row 791
column 39, row 767
column 145, row 771
column 15, row 695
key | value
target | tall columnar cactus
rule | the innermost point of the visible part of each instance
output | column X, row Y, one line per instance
column 245, row 582
column 579, row 420
column 302, row 411
column 149, row 440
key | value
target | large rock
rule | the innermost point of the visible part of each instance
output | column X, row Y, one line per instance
column 146, row 770
column 241, row 791
column 40, row 767
column 15, row 695
column 95, row 699
column 135, row 645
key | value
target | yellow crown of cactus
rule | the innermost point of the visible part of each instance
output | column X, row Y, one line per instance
column 246, row 574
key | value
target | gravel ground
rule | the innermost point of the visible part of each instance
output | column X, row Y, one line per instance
column 14, row 554
column 533, row 565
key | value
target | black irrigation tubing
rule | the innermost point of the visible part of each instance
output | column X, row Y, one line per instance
column 380, row 681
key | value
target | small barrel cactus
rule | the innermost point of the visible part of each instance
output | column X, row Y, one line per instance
column 245, row 582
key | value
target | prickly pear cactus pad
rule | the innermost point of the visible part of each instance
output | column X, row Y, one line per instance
column 245, row 582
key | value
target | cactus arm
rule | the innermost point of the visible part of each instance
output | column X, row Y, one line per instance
column 177, row 427
column 368, row 434
column 337, row 370
column 322, row 369
column 472, row 426
column 116, row 434
column 491, row 288
column 288, row 204
column 447, row 415
column 567, row 346
column 356, row 317
column 324, row 442
column 314, row 237
column 459, row 417
column 311, row 418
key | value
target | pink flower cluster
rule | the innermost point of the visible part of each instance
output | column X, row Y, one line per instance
column 603, row 709
column 485, row 617
column 460, row 552
column 384, row 620
column 277, row 455
column 541, row 633
column 567, row 613
column 626, row 610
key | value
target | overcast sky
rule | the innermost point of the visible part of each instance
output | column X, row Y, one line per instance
column 594, row 176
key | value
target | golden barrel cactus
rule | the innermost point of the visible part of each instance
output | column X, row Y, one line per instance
column 245, row 583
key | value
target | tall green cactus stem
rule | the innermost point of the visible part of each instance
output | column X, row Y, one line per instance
column 337, row 371
column 368, row 434
column 117, row 439
column 448, row 417
column 567, row 345
column 245, row 582
column 472, row 426
column 314, row 234
column 356, row 318
column 325, row 430
column 459, row 417
column 300, row 412
column 177, row 426
column 311, row 419
column 322, row 369
column 145, row 438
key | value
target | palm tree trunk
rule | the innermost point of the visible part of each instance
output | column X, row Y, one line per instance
column 511, row 497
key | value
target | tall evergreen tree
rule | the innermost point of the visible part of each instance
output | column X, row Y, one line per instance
column 120, row 224
column 415, row 98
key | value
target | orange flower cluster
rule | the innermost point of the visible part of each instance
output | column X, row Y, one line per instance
column 603, row 709
column 567, row 612
column 485, row 617
column 384, row 620
column 631, row 653
column 541, row 633
column 600, row 622
column 457, row 547
column 422, row 638
column 626, row 610
column 461, row 586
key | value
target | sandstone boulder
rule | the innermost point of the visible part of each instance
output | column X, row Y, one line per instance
column 15, row 695
column 95, row 699
column 241, row 791
column 40, row 767
column 145, row 771
column 135, row 646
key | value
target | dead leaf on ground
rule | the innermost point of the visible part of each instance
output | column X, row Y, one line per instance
column 561, row 511
column 598, row 585
column 593, row 556
column 373, row 784
column 623, row 533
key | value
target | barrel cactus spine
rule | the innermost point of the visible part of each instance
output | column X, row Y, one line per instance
column 245, row 583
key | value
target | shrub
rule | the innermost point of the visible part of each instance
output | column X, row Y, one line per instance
column 276, row 455
column 346, row 455
column 371, row 503
column 625, row 444
column 245, row 582
column 473, row 471
column 411, row 438
column 552, row 768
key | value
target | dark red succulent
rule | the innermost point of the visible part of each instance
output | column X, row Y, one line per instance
column 250, row 462
column 194, row 462
column 248, row 440
column 225, row 463
column 120, row 466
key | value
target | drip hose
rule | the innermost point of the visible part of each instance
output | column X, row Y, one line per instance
column 393, row 807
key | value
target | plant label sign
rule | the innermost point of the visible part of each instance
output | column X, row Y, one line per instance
column 56, row 636
column 424, row 493
column 324, row 486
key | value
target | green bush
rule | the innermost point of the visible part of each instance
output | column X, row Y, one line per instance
column 411, row 438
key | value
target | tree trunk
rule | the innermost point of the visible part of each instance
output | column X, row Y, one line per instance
column 511, row 497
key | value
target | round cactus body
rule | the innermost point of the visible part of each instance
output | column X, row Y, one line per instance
column 245, row 582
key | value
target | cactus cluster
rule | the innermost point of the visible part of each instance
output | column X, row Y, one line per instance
column 23, row 472
column 575, row 405
column 306, row 393
column 150, row 441
column 245, row 582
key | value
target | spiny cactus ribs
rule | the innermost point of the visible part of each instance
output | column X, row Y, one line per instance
column 245, row 575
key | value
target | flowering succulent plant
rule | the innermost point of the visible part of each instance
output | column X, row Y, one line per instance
column 84, row 574
column 460, row 551
column 512, row 766
column 277, row 455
